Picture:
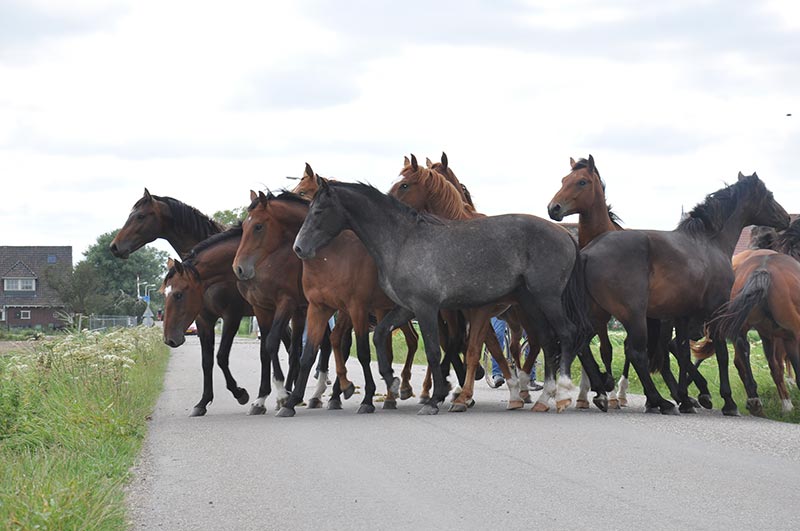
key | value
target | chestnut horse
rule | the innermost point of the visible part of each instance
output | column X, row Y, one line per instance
column 183, row 226
column 423, row 266
column 765, row 296
column 343, row 278
column 678, row 275
column 583, row 192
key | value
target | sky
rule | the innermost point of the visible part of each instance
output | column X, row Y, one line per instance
column 204, row 101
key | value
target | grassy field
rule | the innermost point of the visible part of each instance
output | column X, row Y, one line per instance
column 709, row 369
column 73, row 413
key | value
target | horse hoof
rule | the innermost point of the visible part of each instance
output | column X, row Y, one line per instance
column 651, row 409
column 395, row 387
column 582, row 404
column 243, row 398
column 457, row 407
column 515, row 404
column 687, row 407
column 285, row 412
column 695, row 403
column 669, row 409
column 755, row 407
column 255, row 409
column 406, row 393
column 623, row 402
column 561, row 405
column 366, row 408
column 601, row 403
column 613, row 404
column 540, row 407
column 471, row 402
column 314, row 403
column 390, row 404
column 526, row 396
column 349, row 390
column 197, row 411
column 428, row 409
column 731, row 412
column 334, row 403
column 705, row 401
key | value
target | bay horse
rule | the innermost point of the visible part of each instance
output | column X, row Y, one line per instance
column 425, row 263
column 583, row 192
column 765, row 296
column 202, row 288
column 345, row 280
column 430, row 190
column 678, row 275
column 183, row 226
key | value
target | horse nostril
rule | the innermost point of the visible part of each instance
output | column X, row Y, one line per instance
column 114, row 248
column 172, row 343
column 297, row 250
column 556, row 208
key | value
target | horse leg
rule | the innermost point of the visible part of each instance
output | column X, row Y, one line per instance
column 607, row 354
column 514, row 340
column 298, row 327
column 361, row 327
column 582, row 402
column 721, row 349
column 636, row 351
column 342, row 331
column 322, row 370
column 776, row 367
column 427, row 384
column 265, row 323
column 622, row 385
column 478, row 325
column 412, row 341
column 741, row 359
column 317, row 317
column 515, row 398
column 452, row 335
column 393, row 319
column 230, row 325
column 428, row 326
column 205, row 332
column 684, row 356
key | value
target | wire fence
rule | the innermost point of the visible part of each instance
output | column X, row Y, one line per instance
column 97, row 322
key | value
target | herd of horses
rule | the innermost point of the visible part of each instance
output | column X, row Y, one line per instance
column 423, row 252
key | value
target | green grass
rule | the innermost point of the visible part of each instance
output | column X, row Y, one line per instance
column 73, row 416
column 709, row 369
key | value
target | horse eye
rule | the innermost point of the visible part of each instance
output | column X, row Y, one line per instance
column 404, row 186
column 178, row 296
column 301, row 194
column 582, row 182
column 258, row 227
column 140, row 216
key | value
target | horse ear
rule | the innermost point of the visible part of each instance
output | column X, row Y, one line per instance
column 741, row 176
column 444, row 160
column 178, row 266
column 322, row 184
column 253, row 196
column 270, row 195
column 170, row 263
column 428, row 163
column 414, row 165
column 572, row 163
column 308, row 171
column 755, row 175
column 406, row 162
column 262, row 198
column 590, row 165
column 147, row 196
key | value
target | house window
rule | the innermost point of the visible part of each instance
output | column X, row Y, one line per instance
column 2, row 314
column 19, row 284
column 24, row 314
column 51, row 259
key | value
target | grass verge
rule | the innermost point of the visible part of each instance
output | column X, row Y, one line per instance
column 73, row 414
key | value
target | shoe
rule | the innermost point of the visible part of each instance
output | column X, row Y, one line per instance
column 498, row 381
column 535, row 386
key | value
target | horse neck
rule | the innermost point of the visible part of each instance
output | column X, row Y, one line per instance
column 445, row 201
column 380, row 225
column 183, row 238
column 594, row 221
column 215, row 264
column 728, row 236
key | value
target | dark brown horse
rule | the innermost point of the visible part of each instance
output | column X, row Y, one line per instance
column 678, row 275
column 765, row 296
column 270, row 276
column 183, row 226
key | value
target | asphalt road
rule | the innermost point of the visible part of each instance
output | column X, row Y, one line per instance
column 485, row 468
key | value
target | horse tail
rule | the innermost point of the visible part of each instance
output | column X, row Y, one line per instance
column 576, row 302
column 733, row 315
column 704, row 348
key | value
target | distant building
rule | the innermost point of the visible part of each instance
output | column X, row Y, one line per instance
column 26, row 298
column 744, row 237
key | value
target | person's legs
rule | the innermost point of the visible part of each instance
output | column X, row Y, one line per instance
column 499, row 327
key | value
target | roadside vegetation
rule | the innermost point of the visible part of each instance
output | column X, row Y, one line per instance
column 73, row 413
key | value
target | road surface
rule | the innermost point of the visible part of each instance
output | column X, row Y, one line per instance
column 488, row 468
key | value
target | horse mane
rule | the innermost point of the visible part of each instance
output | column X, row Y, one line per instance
column 285, row 195
column 448, row 174
column 615, row 219
column 788, row 241
column 709, row 216
column 447, row 201
column 584, row 164
column 375, row 195
column 233, row 232
column 186, row 217
column 187, row 265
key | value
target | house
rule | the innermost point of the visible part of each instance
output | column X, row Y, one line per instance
column 744, row 238
column 26, row 298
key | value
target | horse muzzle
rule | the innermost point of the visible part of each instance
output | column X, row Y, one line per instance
column 244, row 271
column 302, row 254
column 118, row 252
column 555, row 211
column 173, row 342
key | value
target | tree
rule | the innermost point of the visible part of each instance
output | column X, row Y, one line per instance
column 230, row 217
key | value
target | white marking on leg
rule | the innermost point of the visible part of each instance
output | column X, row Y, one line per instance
column 524, row 380
column 623, row 387
column 322, row 385
column 280, row 390
column 548, row 392
column 583, row 392
column 259, row 402
column 564, row 388
column 513, row 388
column 786, row 405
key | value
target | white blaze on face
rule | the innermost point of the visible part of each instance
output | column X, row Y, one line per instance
column 167, row 291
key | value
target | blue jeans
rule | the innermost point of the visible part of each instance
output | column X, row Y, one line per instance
column 499, row 327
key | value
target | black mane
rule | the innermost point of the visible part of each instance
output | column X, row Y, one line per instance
column 285, row 195
column 709, row 216
column 376, row 195
column 187, row 217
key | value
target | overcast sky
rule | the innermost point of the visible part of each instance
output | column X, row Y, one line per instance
column 203, row 101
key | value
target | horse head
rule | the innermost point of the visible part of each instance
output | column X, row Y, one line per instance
column 183, row 300
column 580, row 189
column 144, row 224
